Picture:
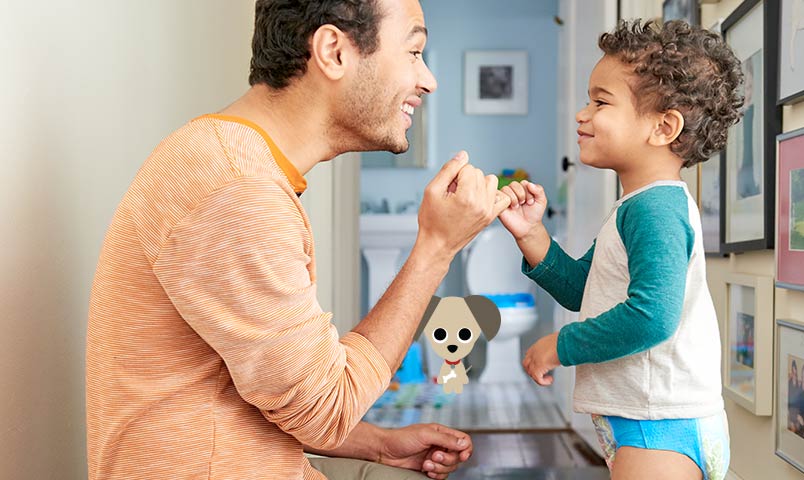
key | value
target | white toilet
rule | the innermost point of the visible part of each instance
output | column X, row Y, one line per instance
column 492, row 264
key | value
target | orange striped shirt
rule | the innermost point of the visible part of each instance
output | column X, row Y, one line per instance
column 208, row 355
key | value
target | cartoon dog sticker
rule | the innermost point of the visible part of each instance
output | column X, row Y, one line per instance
column 453, row 325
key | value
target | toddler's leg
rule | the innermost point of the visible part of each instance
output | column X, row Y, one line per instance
column 640, row 463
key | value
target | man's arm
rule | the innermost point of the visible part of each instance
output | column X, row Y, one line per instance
column 458, row 204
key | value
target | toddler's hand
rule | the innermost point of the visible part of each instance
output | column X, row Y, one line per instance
column 528, row 204
column 542, row 357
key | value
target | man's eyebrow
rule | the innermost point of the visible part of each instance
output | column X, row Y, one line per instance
column 417, row 29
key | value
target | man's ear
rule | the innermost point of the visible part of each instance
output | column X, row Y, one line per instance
column 668, row 127
column 331, row 50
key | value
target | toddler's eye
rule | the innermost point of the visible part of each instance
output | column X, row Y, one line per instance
column 600, row 103
column 417, row 54
column 464, row 335
column 440, row 335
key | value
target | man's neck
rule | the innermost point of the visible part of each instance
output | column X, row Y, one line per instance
column 295, row 122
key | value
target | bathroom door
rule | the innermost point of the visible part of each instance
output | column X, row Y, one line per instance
column 590, row 193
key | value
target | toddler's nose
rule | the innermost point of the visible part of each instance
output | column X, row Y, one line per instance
column 452, row 348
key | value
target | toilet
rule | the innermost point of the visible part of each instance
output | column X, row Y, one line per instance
column 492, row 267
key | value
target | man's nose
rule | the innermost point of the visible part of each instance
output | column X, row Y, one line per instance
column 452, row 348
column 427, row 81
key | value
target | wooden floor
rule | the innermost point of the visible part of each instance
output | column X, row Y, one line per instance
column 532, row 456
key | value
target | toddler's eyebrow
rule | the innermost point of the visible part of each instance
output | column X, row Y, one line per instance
column 597, row 90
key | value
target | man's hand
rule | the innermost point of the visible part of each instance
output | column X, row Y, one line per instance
column 430, row 448
column 542, row 357
column 458, row 203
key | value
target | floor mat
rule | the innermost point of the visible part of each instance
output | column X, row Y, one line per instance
column 479, row 408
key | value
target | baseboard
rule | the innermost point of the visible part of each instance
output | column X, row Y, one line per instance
column 730, row 475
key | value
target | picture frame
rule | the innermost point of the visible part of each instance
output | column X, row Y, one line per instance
column 790, row 210
column 496, row 82
column 791, row 52
column 748, row 362
column 789, row 395
column 687, row 10
column 709, row 204
column 748, row 161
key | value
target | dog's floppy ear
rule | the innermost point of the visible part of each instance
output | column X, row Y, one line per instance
column 427, row 314
column 486, row 314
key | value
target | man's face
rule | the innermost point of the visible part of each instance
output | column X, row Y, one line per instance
column 388, row 86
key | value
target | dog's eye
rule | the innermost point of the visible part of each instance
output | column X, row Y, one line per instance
column 440, row 335
column 464, row 335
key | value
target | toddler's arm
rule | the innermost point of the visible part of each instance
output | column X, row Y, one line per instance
column 658, row 240
column 544, row 261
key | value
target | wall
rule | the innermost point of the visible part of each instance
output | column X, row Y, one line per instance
column 752, row 437
column 89, row 88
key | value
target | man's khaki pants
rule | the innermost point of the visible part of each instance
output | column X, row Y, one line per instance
column 350, row 469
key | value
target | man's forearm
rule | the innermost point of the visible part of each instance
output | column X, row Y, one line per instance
column 363, row 444
column 390, row 325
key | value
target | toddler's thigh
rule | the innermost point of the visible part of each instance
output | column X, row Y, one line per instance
column 640, row 463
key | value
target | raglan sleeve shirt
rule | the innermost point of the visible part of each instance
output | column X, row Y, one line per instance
column 658, row 239
column 237, row 270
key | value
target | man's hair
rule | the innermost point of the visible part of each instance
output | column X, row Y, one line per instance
column 282, row 30
column 686, row 68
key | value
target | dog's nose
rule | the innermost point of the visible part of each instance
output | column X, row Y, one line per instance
column 452, row 348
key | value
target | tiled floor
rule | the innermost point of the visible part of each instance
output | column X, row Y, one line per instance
column 517, row 430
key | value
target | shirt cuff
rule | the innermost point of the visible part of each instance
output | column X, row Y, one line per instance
column 547, row 264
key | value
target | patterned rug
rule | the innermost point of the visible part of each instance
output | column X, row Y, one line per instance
column 479, row 408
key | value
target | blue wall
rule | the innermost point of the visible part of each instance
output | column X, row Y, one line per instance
column 494, row 142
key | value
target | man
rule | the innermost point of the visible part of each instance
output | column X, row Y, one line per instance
column 208, row 355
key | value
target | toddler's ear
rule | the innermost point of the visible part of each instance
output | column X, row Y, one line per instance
column 668, row 127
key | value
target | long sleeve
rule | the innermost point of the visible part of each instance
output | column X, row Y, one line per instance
column 239, row 270
column 561, row 276
column 658, row 239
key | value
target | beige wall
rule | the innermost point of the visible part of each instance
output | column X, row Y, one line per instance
column 752, row 437
column 89, row 87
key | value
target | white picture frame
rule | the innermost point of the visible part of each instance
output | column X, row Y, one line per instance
column 748, row 359
column 496, row 82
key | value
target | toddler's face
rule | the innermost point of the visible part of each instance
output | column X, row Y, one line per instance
column 611, row 133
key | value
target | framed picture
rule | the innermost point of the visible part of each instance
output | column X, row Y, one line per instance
column 496, row 82
column 790, row 392
column 790, row 208
column 688, row 10
column 791, row 52
column 749, row 338
column 748, row 161
column 709, row 204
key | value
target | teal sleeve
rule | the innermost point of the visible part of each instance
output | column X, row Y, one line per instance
column 561, row 276
column 658, row 238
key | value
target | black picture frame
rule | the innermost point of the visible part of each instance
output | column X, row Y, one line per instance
column 687, row 10
column 788, row 96
column 770, row 125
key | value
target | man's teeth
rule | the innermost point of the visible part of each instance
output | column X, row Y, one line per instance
column 407, row 109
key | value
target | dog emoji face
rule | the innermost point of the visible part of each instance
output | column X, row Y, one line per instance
column 453, row 324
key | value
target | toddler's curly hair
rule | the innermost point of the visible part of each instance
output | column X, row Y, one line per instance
column 686, row 68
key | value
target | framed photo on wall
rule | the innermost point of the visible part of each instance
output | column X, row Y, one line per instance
column 790, row 208
column 748, row 162
column 790, row 392
column 749, row 342
column 687, row 10
column 709, row 204
column 791, row 52
column 496, row 82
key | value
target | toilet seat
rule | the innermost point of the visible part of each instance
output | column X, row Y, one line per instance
column 494, row 264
